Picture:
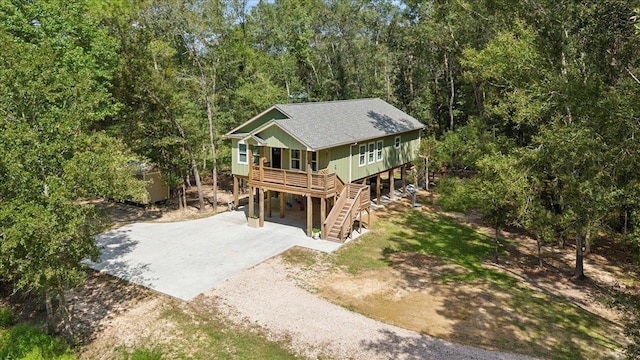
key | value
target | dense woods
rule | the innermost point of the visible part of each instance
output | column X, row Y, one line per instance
column 536, row 103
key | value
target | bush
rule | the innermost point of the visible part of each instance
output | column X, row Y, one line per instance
column 7, row 317
column 25, row 341
column 456, row 194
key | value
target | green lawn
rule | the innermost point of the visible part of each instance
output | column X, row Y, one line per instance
column 546, row 325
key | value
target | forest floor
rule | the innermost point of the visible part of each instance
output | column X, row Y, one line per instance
column 406, row 286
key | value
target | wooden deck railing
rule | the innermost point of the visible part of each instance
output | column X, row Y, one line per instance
column 319, row 181
column 347, row 226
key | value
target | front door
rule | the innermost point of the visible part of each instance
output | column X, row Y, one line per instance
column 276, row 158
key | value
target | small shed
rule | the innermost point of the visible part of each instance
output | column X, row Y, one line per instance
column 156, row 187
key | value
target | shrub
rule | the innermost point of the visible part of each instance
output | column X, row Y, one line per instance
column 456, row 194
column 7, row 317
column 25, row 341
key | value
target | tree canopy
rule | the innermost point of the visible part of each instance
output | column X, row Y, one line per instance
column 539, row 99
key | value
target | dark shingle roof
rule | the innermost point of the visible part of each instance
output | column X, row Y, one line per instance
column 321, row 125
column 326, row 124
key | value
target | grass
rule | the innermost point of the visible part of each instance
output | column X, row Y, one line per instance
column 300, row 256
column 202, row 335
column 513, row 318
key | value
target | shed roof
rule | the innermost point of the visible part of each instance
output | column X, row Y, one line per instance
column 321, row 125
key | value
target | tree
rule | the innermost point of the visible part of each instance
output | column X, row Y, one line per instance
column 501, row 190
column 55, row 83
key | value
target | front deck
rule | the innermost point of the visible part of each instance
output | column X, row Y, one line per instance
column 318, row 184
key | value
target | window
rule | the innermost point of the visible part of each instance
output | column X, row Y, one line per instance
column 295, row 159
column 242, row 153
column 314, row 161
column 379, row 151
column 363, row 151
column 371, row 152
column 397, row 142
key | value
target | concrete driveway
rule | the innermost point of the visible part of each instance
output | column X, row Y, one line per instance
column 184, row 259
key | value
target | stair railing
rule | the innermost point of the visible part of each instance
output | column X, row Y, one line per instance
column 335, row 211
column 354, row 207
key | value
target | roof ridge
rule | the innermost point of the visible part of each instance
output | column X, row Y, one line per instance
column 329, row 101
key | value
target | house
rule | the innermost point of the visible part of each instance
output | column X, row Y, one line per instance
column 324, row 150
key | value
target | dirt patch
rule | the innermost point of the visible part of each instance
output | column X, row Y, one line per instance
column 122, row 214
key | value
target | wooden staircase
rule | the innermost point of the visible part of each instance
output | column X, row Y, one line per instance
column 352, row 201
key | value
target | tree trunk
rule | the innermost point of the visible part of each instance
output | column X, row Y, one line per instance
column 539, row 246
column 410, row 64
column 48, row 303
column 579, row 271
column 214, row 162
column 426, row 173
column 587, row 242
column 67, row 318
column 196, row 175
column 448, row 63
column 495, row 244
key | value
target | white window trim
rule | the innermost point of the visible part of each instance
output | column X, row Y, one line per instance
column 246, row 154
column 362, row 155
column 379, row 150
column 371, row 153
column 291, row 159
column 396, row 142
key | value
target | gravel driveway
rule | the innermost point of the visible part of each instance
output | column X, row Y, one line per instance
column 266, row 296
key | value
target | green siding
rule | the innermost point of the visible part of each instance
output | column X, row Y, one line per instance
column 337, row 159
column 237, row 169
column 273, row 114
column 391, row 157
column 273, row 136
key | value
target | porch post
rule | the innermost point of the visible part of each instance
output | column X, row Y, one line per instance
column 269, row 203
column 250, row 161
column 403, row 170
column 392, row 194
column 261, row 192
column 323, row 215
column 309, row 199
column 378, row 189
column 252, row 192
column 235, row 192
column 309, row 215
column 281, row 198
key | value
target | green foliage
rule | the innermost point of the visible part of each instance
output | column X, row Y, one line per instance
column 7, row 317
column 456, row 194
column 25, row 341
column 462, row 149
column 144, row 353
column 58, row 63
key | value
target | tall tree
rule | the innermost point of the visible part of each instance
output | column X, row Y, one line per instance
column 58, row 63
